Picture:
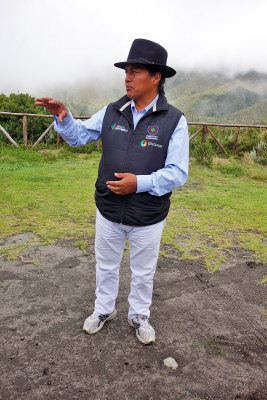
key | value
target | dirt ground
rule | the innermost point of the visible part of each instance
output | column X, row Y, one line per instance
column 213, row 325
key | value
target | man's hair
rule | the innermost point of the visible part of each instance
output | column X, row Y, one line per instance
column 153, row 72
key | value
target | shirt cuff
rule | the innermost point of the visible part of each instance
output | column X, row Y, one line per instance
column 144, row 183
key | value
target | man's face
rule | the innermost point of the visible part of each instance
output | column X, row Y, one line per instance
column 139, row 83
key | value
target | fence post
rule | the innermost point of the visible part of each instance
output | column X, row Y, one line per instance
column 204, row 133
column 25, row 133
column 236, row 137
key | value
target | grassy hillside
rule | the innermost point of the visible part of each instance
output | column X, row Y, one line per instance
column 257, row 113
column 240, row 99
column 201, row 96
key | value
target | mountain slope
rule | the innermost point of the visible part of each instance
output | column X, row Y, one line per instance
column 201, row 96
column 232, row 99
column 253, row 115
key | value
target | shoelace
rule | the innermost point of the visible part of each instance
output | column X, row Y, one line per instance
column 102, row 317
column 142, row 320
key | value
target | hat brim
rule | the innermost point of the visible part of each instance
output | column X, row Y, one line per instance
column 168, row 72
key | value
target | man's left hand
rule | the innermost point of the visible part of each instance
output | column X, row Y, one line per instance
column 127, row 184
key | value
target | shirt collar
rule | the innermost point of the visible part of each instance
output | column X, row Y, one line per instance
column 147, row 107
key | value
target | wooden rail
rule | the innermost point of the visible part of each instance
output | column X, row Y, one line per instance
column 204, row 128
column 25, row 132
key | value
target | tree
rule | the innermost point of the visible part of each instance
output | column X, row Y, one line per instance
column 21, row 103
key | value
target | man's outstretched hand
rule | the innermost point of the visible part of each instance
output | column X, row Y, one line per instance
column 54, row 106
column 127, row 184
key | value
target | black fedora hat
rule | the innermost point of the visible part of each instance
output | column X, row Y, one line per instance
column 148, row 53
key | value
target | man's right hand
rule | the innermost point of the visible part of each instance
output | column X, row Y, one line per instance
column 54, row 106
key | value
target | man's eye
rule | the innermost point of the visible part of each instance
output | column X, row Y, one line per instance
column 132, row 71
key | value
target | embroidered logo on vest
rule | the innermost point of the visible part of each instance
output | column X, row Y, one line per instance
column 143, row 143
column 117, row 127
column 153, row 129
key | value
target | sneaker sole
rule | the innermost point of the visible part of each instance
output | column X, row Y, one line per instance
column 112, row 315
column 138, row 336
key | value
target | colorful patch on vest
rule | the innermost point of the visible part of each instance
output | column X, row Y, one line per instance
column 116, row 127
column 153, row 129
column 143, row 143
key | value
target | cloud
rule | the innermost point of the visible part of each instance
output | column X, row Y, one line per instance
column 54, row 42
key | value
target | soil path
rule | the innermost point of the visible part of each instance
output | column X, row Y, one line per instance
column 212, row 325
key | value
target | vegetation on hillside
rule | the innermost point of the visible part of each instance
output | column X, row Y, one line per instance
column 218, row 98
column 252, row 141
column 21, row 103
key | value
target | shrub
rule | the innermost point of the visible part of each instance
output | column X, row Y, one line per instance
column 203, row 153
column 22, row 103
column 248, row 158
column 231, row 169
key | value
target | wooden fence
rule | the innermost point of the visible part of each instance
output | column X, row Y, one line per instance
column 25, row 131
column 204, row 128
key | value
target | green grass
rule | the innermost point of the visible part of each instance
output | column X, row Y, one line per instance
column 48, row 195
column 215, row 214
column 218, row 211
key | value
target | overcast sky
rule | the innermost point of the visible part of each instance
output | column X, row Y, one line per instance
column 44, row 43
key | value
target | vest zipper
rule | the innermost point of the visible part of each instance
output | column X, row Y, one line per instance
column 123, row 197
column 132, row 131
column 122, row 209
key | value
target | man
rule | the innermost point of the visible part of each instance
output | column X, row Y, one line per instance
column 145, row 157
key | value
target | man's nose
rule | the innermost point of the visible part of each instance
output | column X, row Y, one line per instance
column 127, row 77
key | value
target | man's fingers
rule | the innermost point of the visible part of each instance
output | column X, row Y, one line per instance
column 117, row 190
column 113, row 188
column 62, row 115
column 54, row 106
column 54, row 102
column 120, row 174
column 40, row 104
column 114, row 183
column 44, row 99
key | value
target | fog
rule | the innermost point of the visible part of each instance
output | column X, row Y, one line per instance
column 50, row 43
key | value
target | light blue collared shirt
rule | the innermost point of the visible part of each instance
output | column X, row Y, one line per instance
column 137, row 116
column 175, row 171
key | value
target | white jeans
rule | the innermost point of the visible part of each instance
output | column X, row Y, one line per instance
column 144, row 249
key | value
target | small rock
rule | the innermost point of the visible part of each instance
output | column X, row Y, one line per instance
column 170, row 362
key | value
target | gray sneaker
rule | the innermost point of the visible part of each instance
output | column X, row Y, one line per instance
column 144, row 331
column 96, row 321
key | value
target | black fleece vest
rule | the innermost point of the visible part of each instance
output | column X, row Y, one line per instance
column 140, row 151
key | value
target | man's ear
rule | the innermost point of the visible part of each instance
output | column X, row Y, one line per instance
column 157, row 78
